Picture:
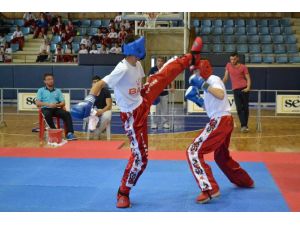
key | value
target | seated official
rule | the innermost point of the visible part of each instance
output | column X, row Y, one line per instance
column 103, row 104
column 52, row 102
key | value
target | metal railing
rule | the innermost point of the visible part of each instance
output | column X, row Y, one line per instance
column 257, row 105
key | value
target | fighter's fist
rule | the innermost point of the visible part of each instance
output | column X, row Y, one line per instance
column 196, row 80
column 83, row 109
column 192, row 94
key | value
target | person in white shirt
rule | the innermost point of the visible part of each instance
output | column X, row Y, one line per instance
column 7, row 53
column 103, row 49
column 86, row 41
column 134, row 102
column 68, row 56
column 116, row 49
column 94, row 49
column 18, row 37
column 83, row 49
column 127, row 25
column 2, row 40
column 215, row 137
column 118, row 18
column 113, row 34
column 112, row 37
column 44, row 51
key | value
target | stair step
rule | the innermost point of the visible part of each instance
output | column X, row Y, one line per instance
column 32, row 44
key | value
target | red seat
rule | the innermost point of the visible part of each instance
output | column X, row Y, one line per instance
column 42, row 125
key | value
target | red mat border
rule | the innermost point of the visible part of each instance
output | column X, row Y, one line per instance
column 284, row 167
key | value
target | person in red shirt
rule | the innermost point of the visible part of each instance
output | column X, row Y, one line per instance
column 241, row 82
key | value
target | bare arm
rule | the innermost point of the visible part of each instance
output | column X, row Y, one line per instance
column 60, row 105
column 172, row 87
column 217, row 92
column 248, row 83
column 225, row 78
column 40, row 104
column 106, row 108
column 97, row 87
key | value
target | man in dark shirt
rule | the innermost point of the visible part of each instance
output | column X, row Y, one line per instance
column 162, row 107
column 103, row 104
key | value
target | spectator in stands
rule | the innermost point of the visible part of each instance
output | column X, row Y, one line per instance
column 103, row 105
column 67, row 35
column 97, row 38
column 18, row 37
column 94, row 49
column 127, row 25
column 29, row 20
column 118, row 18
column 58, row 27
column 44, row 51
column 86, row 41
column 103, row 49
column 41, row 26
column 7, row 53
column 1, row 54
column 111, row 24
column 2, row 40
column 116, row 49
column 68, row 56
column 50, row 18
column 83, row 49
column 59, row 52
column 162, row 108
column 104, row 38
column 122, row 35
column 71, row 27
column 241, row 82
column 52, row 103
column 113, row 36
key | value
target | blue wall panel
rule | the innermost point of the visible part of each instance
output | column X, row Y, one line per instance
column 73, row 76
column 102, row 71
column 29, row 76
column 7, row 80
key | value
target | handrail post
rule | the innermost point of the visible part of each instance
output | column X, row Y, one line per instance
column 258, row 113
column 2, row 122
column 172, row 109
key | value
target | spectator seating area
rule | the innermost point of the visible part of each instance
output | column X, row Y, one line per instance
column 261, row 40
column 97, row 32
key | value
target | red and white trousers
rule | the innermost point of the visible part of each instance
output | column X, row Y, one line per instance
column 215, row 137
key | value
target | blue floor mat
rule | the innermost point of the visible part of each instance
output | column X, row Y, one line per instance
column 36, row 184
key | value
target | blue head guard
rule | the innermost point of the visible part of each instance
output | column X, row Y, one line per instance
column 136, row 48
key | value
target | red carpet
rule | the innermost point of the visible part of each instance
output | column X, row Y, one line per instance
column 284, row 167
column 75, row 149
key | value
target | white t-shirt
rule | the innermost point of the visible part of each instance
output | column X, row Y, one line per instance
column 83, row 51
column 126, row 80
column 102, row 51
column 116, row 50
column 8, row 52
column 113, row 35
column 45, row 47
column 118, row 19
column 86, row 42
column 17, row 34
column 94, row 52
column 215, row 107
